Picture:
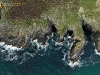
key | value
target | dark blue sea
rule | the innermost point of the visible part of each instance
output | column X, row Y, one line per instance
column 49, row 60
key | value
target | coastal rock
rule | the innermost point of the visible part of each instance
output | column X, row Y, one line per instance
column 76, row 50
column 21, row 39
column 64, row 14
column 92, row 25
column 95, row 34
column 51, row 26
column 96, row 40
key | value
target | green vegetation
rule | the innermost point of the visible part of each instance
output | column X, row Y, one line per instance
column 92, row 15
column 90, row 8
column 64, row 13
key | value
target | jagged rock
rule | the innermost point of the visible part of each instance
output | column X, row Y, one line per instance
column 96, row 40
column 51, row 26
column 86, row 25
column 67, row 33
column 92, row 25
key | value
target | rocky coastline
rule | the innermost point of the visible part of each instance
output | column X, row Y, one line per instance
column 62, row 26
column 21, row 40
column 89, row 24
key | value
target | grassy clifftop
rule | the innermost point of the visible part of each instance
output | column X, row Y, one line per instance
column 92, row 13
column 64, row 13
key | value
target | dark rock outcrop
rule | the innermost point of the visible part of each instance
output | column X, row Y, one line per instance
column 21, row 40
column 89, row 26
column 96, row 40
column 86, row 26
column 51, row 26
column 69, row 33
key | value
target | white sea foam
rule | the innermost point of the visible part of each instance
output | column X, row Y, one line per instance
column 68, row 43
column 52, row 35
column 58, row 44
column 40, row 49
column 9, row 58
column 71, row 45
column 94, row 44
column 96, row 51
column 72, row 65
column 39, row 45
column 26, row 53
column 7, row 47
column 2, row 44
column 9, row 51
column 69, row 37
column 64, row 58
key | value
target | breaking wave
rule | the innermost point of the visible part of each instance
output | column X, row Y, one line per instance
column 97, row 52
column 12, row 53
column 77, row 63
column 35, row 49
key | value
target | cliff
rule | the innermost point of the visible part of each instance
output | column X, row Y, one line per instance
column 64, row 16
column 90, row 21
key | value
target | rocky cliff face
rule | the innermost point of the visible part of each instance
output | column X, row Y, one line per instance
column 64, row 20
column 21, row 38
column 91, row 23
column 93, row 26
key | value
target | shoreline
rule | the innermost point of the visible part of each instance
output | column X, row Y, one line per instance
column 22, row 40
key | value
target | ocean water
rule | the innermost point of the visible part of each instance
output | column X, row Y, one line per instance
column 50, row 59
